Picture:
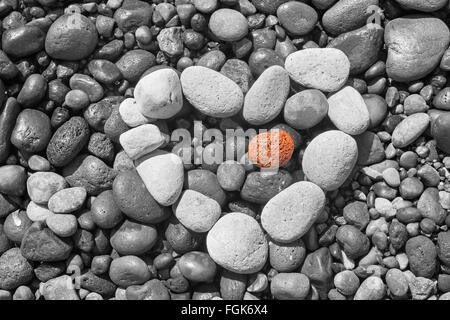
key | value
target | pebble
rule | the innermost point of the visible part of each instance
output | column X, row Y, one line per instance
column 443, row 247
column 211, row 93
column 231, row 175
column 286, row 257
column 290, row 286
column 348, row 111
column 196, row 211
column 139, row 204
column 197, row 266
column 151, row 290
column 370, row 149
column 133, row 238
column 317, row 267
column 430, row 206
column 228, row 25
column 377, row 108
column 15, row 270
column 163, row 175
column 361, row 46
column 372, row 288
column 23, row 41
column 67, row 141
column 67, row 200
column 32, row 92
column 297, row 18
column 260, row 188
column 422, row 255
column 346, row 282
column 104, row 71
column 181, row 239
column 133, row 14
column 429, row 6
column 90, row 173
column 37, row 212
column 324, row 69
column 238, row 71
column 8, row 115
column 329, row 159
column 410, row 129
column 130, row 114
column 66, row 42
column 305, row 109
column 419, row 37
column 290, row 214
column 104, row 210
column 357, row 214
column 63, row 225
column 441, row 100
column 440, row 131
column 392, row 177
column 237, row 243
column 88, row 85
column 158, row 95
column 262, row 59
column 58, row 289
column 129, row 270
column 142, row 140
column 13, row 180
column 207, row 183
column 261, row 105
column 134, row 63
column 41, row 186
column 41, row 244
column 76, row 100
column 354, row 243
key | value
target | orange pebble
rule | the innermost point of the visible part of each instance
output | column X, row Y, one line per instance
column 261, row 149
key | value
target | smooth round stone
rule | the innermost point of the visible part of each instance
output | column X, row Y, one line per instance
column 105, row 212
column 205, row 182
column 397, row 283
column 158, row 95
column 261, row 105
column 32, row 131
column 377, row 108
column 429, row 176
column 442, row 99
column 414, row 103
column 63, row 225
column 32, row 92
column 139, row 204
column 305, row 109
column 410, row 129
column 411, row 188
column 347, row 15
column 348, row 111
column 71, row 37
column 181, row 239
column 411, row 38
column 260, row 188
column 90, row 173
column 131, row 115
column 196, row 211
column 291, row 213
column 134, row 63
column 89, row 85
column 297, row 18
column 231, row 175
column 76, row 99
column 23, row 41
column 205, row 6
column 346, row 282
column 430, row 207
column 68, row 141
column 13, row 180
column 422, row 255
column 361, row 46
column 262, row 59
column 286, row 257
column 354, row 243
column 104, row 71
column 357, row 214
column 15, row 270
column 128, row 270
column 290, row 286
column 211, row 92
column 424, row 6
column 163, row 175
column 237, row 243
column 325, row 69
column 370, row 149
column 42, row 185
column 443, row 247
column 392, row 177
column 67, row 200
column 37, row 212
column 132, row 14
column 441, row 132
column 372, row 288
column 197, row 266
column 41, row 244
column 329, row 159
column 133, row 238
column 15, row 226
column 142, row 140
column 228, row 25
column 213, row 59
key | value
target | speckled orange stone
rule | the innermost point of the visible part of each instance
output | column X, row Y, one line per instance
column 271, row 149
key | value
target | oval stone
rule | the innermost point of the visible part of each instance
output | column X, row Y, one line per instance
column 228, row 24
column 410, row 129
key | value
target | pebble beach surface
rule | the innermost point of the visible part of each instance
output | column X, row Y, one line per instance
column 115, row 166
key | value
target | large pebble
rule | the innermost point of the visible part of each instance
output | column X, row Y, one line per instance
column 440, row 130
column 370, row 149
column 410, row 129
column 71, row 37
column 348, row 111
column 238, row 244
column 15, row 270
column 128, row 270
column 163, row 175
column 372, row 288
column 424, row 6
column 329, row 159
column 138, row 142
column 32, row 92
column 23, row 41
column 261, row 105
column 422, row 255
column 416, row 45
column 205, row 182
column 133, row 14
column 305, row 109
column 317, row 267
column 197, row 266
column 286, row 257
column 133, row 238
column 325, row 69
column 260, row 188
column 131, row 115
column 105, row 212
column 59, row 288
column 297, row 18
column 430, row 207
column 37, row 212
column 291, row 213
column 211, row 92
column 11, row 109
column 290, row 286
column 67, row 200
column 228, row 25
column 196, row 211
column 134, row 63
column 13, row 180
column 32, row 131
column 158, row 95
column 63, row 225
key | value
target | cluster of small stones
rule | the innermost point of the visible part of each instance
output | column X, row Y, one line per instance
column 96, row 202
